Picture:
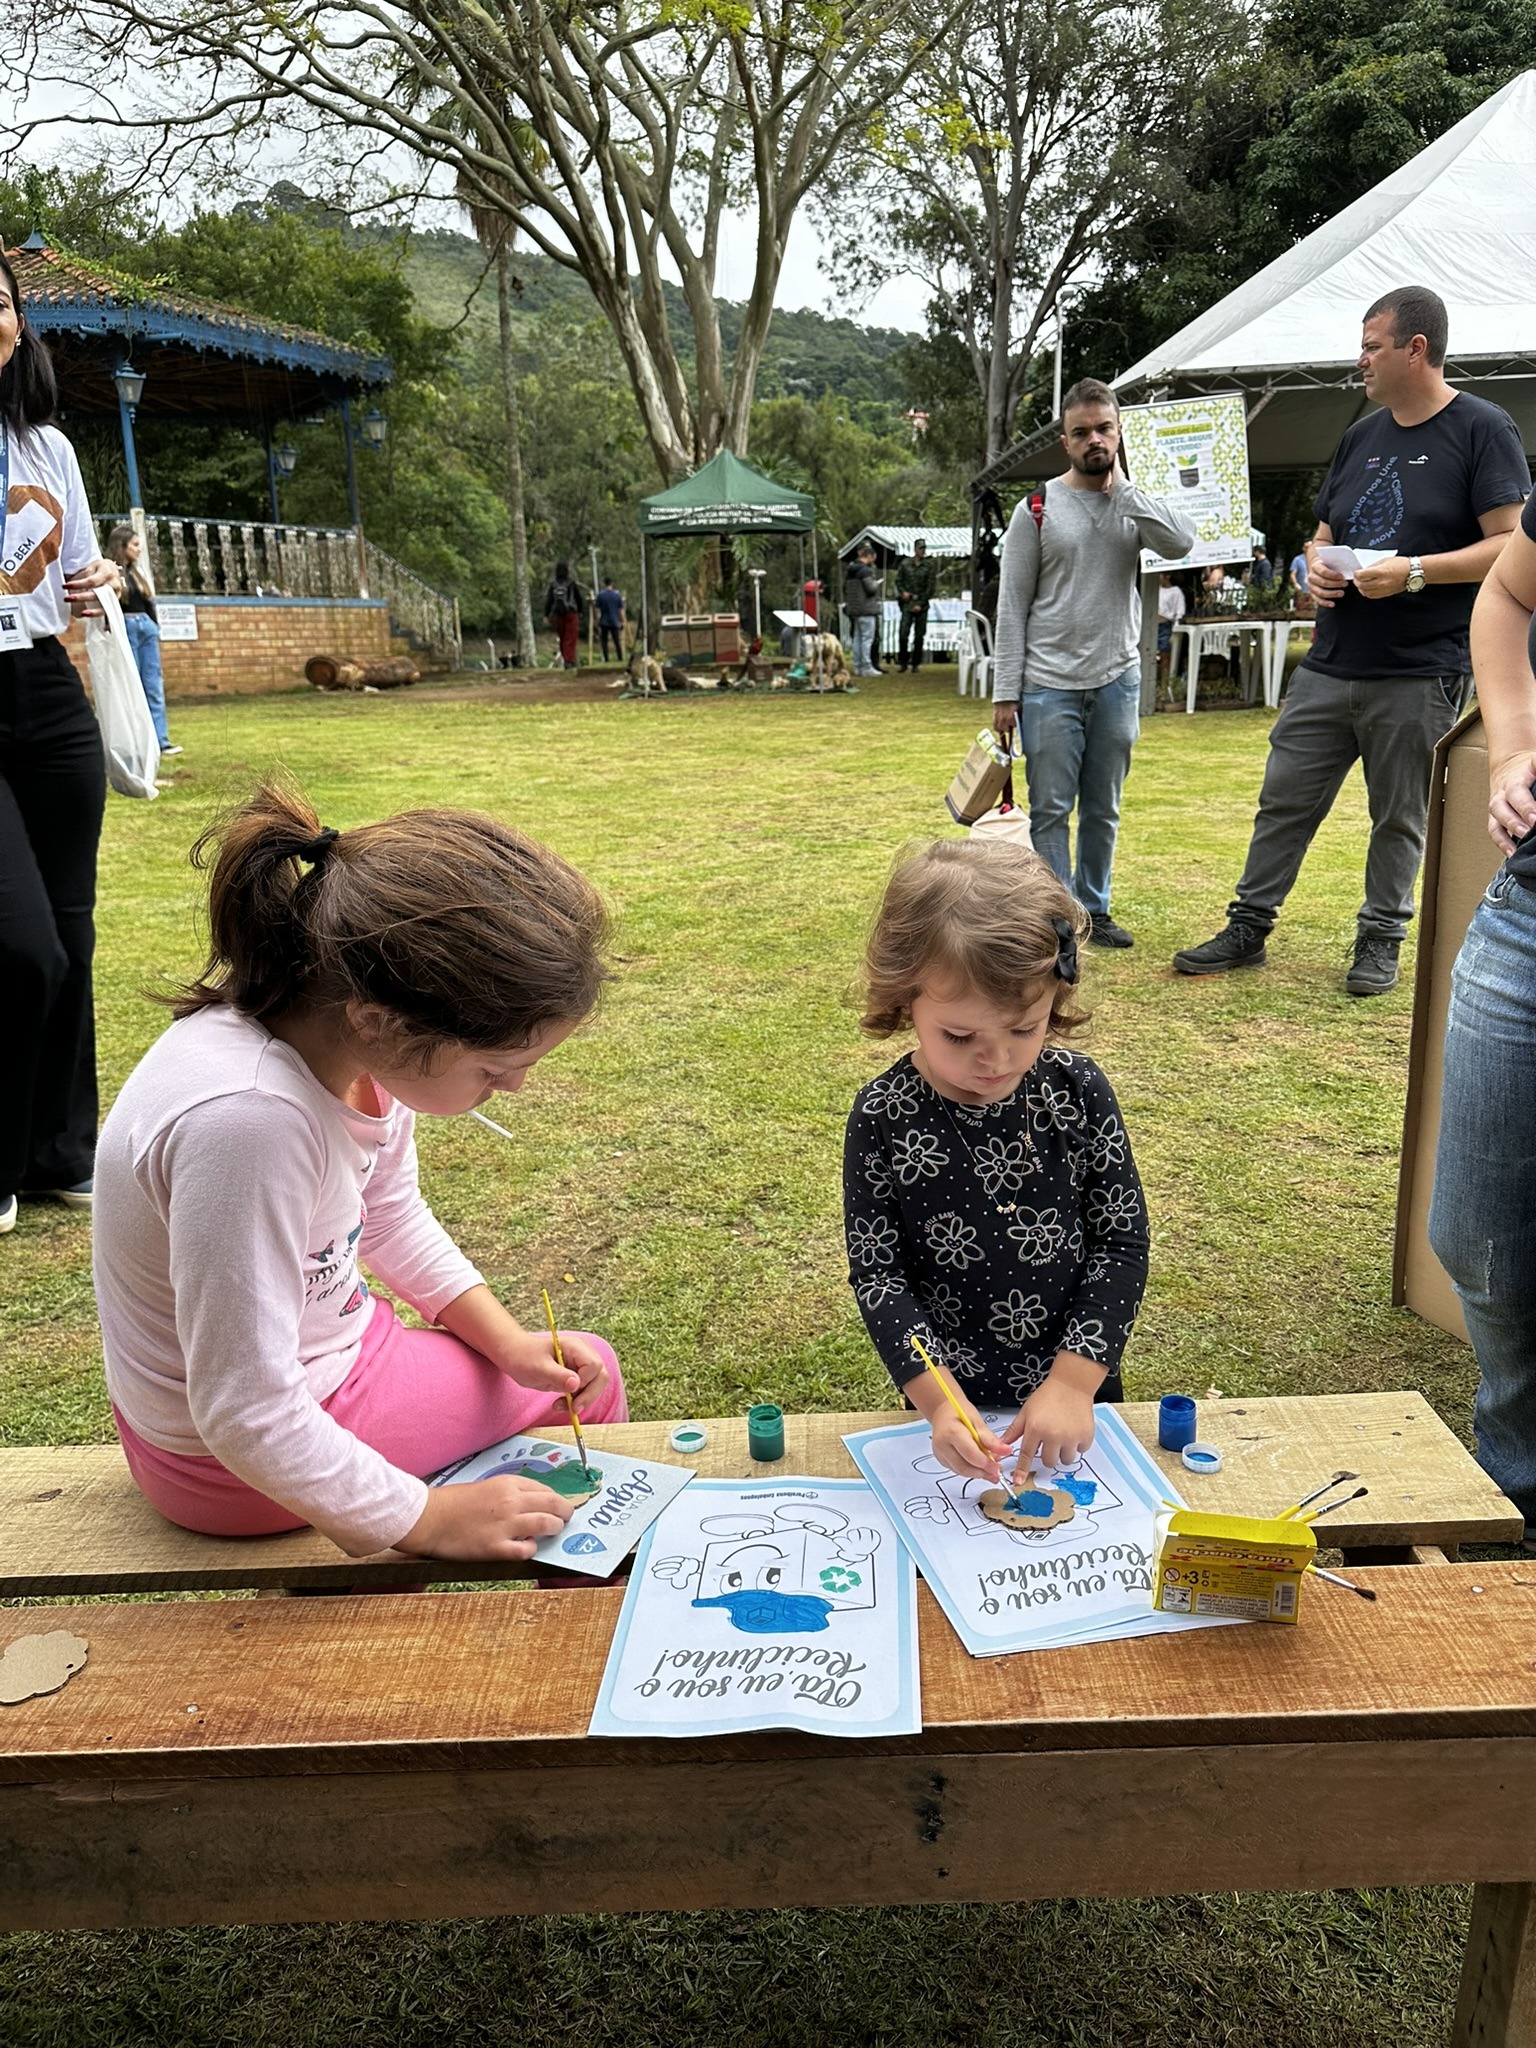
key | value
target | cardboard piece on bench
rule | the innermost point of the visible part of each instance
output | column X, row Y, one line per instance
column 39, row 1664
column 73, row 1522
column 1459, row 862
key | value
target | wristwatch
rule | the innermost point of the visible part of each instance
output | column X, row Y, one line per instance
column 1415, row 581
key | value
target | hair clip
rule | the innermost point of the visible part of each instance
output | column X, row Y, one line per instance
column 1066, row 950
column 315, row 850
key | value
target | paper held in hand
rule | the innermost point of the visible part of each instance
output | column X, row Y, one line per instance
column 631, row 1493
column 1349, row 561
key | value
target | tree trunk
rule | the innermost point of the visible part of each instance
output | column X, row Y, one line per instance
column 525, row 650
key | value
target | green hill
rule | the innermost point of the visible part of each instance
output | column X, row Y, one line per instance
column 808, row 355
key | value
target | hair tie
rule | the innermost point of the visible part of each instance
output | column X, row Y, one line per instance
column 1066, row 950
column 315, row 850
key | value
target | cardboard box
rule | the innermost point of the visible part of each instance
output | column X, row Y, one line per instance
column 1233, row 1567
column 1460, row 860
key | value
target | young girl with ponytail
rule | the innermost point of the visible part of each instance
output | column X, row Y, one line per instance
column 262, row 1152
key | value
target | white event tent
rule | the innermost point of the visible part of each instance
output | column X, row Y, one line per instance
column 1459, row 217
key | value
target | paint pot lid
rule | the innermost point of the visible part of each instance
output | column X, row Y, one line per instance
column 1201, row 1458
column 689, row 1437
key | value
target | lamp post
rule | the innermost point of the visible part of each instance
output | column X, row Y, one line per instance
column 130, row 389
column 281, row 463
column 372, row 430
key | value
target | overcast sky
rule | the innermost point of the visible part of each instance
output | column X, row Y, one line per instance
column 899, row 301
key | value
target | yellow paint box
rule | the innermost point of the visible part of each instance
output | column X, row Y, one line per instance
column 1235, row 1566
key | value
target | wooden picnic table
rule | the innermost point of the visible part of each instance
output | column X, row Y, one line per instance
column 334, row 1759
column 73, row 1522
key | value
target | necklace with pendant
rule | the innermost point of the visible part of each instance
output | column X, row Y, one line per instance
column 1002, row 1208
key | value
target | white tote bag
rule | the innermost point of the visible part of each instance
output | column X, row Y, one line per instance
column 122, row 709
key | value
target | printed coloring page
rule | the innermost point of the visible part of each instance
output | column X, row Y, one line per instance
column 1082, row 1574
column 605, row 1528
column 766, row 1604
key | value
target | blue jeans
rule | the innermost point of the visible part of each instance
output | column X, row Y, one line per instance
column 1482, row 1219
column 144, row 639
column 1077, row 752
column 864, row 646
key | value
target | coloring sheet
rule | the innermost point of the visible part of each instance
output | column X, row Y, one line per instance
column 603, row 1531
column 1083, row 1575
column 785, row 1603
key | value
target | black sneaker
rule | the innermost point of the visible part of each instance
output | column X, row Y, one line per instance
column 1106, row 932
column 1373, row 969
column 1238, row 946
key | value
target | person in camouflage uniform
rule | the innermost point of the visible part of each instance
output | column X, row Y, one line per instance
column 916, row 582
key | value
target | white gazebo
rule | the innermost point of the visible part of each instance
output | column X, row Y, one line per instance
column 1459, row 217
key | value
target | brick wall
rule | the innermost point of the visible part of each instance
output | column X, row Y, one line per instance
column 249, row 645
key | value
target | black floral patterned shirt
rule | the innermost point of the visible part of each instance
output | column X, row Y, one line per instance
column 1000, row 1233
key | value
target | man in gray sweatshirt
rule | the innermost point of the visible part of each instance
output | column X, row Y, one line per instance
column 1068, row 665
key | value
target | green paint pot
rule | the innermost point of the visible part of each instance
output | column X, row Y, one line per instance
column 765, row 1432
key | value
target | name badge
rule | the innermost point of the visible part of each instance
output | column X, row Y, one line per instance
column 14, row 637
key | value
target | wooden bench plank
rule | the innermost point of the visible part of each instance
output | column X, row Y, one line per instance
column 201, row 1688
column 847, row 1830
column 72, row 1522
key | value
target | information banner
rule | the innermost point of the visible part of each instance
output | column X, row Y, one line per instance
column 1194, row 452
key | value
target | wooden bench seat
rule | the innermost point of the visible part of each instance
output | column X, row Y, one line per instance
column 406, row 1757
column 73, row 1522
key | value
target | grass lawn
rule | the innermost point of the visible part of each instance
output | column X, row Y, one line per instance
column 675, row 1181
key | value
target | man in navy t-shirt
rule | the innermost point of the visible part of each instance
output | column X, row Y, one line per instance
column 609, row 605
column 1423, row 492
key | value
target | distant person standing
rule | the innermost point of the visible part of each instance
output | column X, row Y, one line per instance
column 1068, row 668
column 611, row 621
column 1170, row 611
column 1299, row 574
column 564, row 603
column 1439, row 477
column 1261, row 574
column 141, row 622
column 862, row 603
column 917, row 581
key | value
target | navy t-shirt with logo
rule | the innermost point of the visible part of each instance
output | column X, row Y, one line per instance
column 1419, row 491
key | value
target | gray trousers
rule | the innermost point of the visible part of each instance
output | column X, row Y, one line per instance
column 1390, row 724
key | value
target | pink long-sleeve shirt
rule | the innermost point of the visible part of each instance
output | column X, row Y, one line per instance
column 235, row 1199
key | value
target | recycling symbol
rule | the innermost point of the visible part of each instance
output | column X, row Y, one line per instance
column 840, row 1578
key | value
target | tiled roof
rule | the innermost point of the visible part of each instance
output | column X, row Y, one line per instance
column 63, row 294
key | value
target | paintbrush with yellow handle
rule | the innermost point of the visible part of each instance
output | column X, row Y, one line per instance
column 949, row 1394
column 554, row 1334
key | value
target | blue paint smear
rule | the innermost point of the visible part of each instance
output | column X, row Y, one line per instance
column 1032, row 1503
column 764, row 1612
column 1082, row 1491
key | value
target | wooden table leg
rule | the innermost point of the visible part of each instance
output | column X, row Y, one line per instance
column 1496, row 2006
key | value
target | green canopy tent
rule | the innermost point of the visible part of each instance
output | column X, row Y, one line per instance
column 726, row 496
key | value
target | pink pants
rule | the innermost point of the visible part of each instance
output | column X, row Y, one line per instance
column 419, row 1396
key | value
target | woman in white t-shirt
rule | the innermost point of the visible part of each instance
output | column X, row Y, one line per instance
column 52, row 789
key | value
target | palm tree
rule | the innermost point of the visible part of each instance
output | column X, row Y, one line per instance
column 495, row 234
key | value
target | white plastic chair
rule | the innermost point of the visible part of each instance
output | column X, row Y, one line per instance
column 975, row 658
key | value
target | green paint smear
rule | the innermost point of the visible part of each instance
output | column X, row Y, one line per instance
column 570, row 1478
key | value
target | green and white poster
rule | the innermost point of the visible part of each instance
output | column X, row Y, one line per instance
column 1194, row 452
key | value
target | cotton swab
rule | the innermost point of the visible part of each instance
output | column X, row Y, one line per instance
column 549, row 1310
column 949, row 1394
column 502, row 1130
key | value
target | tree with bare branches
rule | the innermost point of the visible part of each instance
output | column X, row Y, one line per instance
column 613, row 135
column 1020, row 145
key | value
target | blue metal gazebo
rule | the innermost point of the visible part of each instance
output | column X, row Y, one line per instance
column 120, row 345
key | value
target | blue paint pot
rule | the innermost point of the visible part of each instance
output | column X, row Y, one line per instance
column 1175, row 1421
